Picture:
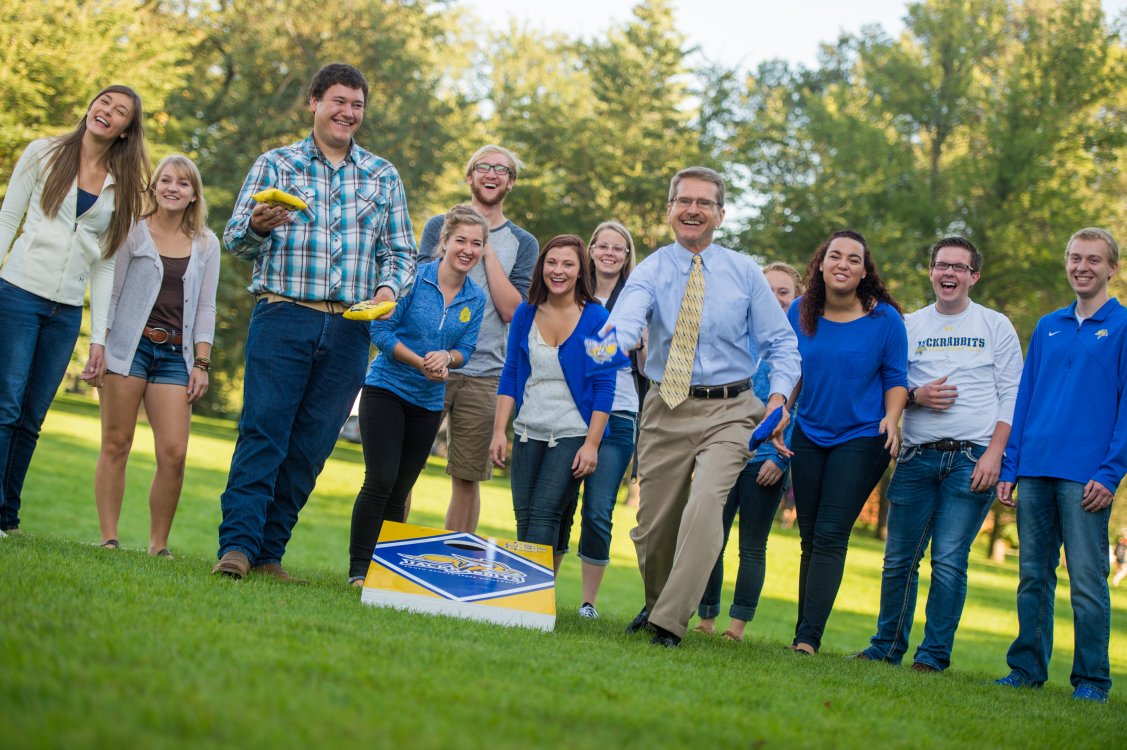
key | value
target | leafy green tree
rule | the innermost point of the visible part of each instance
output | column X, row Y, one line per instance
column 246, row 92
column 603, row 124
column 57, row 54
column 997, row 120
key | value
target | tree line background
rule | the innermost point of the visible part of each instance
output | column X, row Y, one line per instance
column 1000, row 120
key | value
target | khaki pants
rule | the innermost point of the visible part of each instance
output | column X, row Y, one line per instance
column 688, row 460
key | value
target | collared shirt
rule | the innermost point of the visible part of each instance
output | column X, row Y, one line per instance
column 423, row 322
column 741, row 320
column 1070, row 420
column 354, row 237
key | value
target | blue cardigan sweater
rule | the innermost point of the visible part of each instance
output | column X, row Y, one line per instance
column 591, row 388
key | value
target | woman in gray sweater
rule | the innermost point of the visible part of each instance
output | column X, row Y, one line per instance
column 158, row 346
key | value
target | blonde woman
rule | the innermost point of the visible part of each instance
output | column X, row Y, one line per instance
column 611, row 259
column 158, row 348
column 77, row 196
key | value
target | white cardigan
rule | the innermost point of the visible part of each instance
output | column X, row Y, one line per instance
column 55, row 256
column 137, row 280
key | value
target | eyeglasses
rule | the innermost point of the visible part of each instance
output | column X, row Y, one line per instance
column 603, row 247
column 956, row 267
column 500, row 169
column 704, row 203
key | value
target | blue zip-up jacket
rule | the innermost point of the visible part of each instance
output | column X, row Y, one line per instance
column 591, row 387
column 424, row 323
column 1070, row 421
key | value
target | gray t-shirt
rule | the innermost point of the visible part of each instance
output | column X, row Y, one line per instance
column 517, row 251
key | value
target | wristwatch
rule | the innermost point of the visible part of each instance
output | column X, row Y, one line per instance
column 911, row 397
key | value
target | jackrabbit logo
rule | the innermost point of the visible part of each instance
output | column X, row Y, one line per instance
column 460, row 565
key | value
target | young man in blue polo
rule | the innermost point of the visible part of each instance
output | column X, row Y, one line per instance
column 1067, row 453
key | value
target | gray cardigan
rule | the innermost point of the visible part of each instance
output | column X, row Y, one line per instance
column 138, row 273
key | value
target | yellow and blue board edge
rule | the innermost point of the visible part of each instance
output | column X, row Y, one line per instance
column 464, row 575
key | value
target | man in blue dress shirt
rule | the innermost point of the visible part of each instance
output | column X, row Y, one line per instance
column 693, row 445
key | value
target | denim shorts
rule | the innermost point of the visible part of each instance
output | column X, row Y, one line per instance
column 159, row 363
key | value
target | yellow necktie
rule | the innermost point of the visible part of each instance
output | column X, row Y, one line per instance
column 683, row 349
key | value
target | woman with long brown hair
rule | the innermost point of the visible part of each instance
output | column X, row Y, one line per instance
column 77, row 196
column 561, row 403
column 854, row 348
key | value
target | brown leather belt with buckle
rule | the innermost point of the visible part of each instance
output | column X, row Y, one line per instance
column 325, row 306
column 947, row 445
column 717, row 391
column 162, row 336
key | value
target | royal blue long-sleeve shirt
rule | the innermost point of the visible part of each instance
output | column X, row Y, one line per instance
column 1070, row 421
column 846, row 370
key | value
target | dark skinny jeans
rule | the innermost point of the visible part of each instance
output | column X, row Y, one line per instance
column 831, row 485
column 397, row 436
column 756, row 506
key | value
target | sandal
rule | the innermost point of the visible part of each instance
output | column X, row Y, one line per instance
column 110, row 544
column 728, row 635
column 163, row 552
column 699, row 629
column 356, row 581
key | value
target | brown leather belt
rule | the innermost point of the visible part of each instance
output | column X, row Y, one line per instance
column 325, row 306
column 162, row 336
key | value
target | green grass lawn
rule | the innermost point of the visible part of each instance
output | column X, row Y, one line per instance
column 102, row 648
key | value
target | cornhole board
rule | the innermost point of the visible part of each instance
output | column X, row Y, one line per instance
column 462, row 575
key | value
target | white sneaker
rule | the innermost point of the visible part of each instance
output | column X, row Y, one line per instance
column 588, row 611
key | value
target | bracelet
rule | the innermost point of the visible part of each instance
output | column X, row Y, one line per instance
column 202, row 363
column 449, row 358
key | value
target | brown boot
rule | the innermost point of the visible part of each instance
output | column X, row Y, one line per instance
column 234, row 564
column 275, row 570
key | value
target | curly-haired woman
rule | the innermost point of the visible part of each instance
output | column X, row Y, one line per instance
column 854, row 350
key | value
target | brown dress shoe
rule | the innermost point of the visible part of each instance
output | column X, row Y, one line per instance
column 919, row 666
column 234, row 564
column 275, row 570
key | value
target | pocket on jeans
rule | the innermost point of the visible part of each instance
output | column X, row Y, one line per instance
column 907, row 453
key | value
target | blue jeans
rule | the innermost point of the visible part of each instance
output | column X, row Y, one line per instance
column 543, row 488
column 930, row 501
column 162, row 364
column 303, row 371
column 756, row 505
column 831, row 485
column 600, row 490
column 36, row 340
column 1049, row 513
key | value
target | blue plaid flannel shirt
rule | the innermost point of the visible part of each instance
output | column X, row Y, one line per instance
column 354, row 237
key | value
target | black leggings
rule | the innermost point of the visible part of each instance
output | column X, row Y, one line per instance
column 397, row 436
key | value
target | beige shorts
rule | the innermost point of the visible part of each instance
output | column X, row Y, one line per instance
column 470, row 405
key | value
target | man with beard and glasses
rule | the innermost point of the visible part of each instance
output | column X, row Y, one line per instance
column 505, row 273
